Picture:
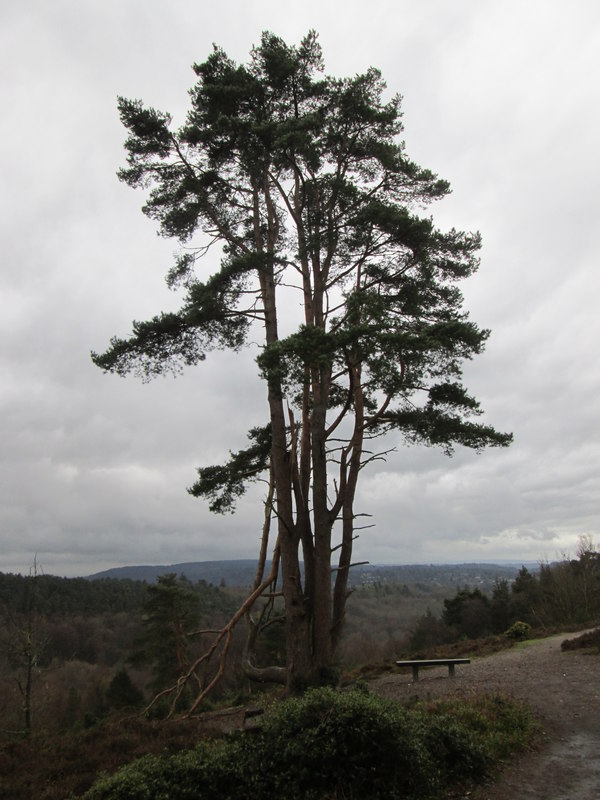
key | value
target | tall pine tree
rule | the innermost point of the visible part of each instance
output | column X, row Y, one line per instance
column 303, row 181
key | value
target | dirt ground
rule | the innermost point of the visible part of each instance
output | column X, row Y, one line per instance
column 563, row 688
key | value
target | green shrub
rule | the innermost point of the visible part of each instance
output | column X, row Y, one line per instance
column 459, row 753
column 518, row 631
column 350, row 744
column 210, row 771
column 501, row 726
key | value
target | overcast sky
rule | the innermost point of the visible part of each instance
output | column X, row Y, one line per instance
column 500, row 98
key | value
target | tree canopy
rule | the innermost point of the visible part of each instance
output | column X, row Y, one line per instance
column 301, row 180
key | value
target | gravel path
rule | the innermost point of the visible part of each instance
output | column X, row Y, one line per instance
column 564, row 691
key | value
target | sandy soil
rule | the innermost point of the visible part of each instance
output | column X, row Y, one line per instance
column 564, row 691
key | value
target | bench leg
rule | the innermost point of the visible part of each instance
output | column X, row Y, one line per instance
column 415, row 671
column 451, row 670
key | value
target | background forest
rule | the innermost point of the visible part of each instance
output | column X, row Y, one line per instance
column 74, row 650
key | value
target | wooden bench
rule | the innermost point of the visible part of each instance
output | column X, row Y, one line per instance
column 433, row 662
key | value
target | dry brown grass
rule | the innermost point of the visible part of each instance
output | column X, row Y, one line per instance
column 52, row 768
column 588, row 641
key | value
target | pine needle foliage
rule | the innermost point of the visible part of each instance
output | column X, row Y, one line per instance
column 302, row 181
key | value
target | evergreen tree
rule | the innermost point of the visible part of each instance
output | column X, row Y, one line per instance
column 122, row 692
column 468, row 613
column 525, row 597
column 171, row 614
column 500, row 608
column 303, row 181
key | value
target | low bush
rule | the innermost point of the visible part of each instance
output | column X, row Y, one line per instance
column 330, row 744
column 349, row 744
column 212, row 770
column 501, row 726
column 589, row 640
column 519, row 631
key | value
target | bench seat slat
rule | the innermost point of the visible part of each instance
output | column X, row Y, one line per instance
column 433, row 662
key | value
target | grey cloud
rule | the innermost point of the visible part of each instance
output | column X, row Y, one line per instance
column 94, row 468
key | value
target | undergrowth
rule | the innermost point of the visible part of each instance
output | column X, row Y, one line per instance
column 328, row 745
column 588, row 641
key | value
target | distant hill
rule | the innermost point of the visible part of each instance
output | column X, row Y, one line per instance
column 241, row 572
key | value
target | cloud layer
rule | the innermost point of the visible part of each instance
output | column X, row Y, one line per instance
column 499, row 98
